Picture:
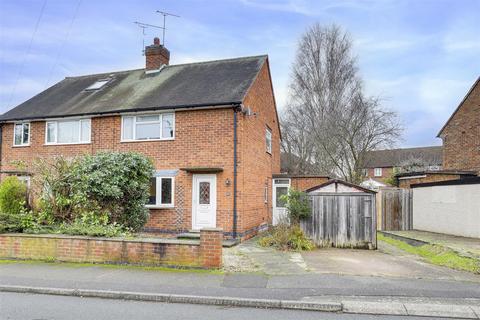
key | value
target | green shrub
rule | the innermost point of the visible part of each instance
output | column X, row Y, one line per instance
column 97, row 190
column 13, row 196
column 116, row 184
column 297, row 205
column 286, row 237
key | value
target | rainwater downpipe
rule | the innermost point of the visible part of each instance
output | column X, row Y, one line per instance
column 235, row 140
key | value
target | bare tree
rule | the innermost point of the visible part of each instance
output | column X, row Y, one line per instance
column 329, row 117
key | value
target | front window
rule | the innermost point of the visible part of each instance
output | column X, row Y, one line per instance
column 68, row 131
column 21, row 134
column 377, row 172
column 268, row 140
column 161, row 192
column 148, row 127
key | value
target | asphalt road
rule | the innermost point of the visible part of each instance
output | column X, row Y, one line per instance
column 46, row 307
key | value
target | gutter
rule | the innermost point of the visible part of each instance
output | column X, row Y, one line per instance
column 134, row 110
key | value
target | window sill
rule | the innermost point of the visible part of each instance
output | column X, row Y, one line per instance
column 146, row 140
column 66, row 144
column 160, row 207
column 21, row 146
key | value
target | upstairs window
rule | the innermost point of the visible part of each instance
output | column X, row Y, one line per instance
column 21, row 134
column 268, row 140
column 68, row 131
column 148, row 127
column 377, row 172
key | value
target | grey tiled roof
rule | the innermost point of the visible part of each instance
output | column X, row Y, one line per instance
column 176, row 86
column 394, row 157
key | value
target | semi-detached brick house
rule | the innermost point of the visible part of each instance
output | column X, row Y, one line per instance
column 461, row 134
column 211, row 129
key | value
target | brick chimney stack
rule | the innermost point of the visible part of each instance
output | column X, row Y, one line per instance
column 156, row 55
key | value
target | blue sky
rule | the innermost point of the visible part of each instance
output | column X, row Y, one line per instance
column 420, row 56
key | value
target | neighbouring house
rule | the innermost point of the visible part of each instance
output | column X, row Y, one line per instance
column 211, row 129
column 382, row 165
column 461, row 134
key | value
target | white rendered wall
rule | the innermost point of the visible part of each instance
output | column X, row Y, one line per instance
column 448, row 209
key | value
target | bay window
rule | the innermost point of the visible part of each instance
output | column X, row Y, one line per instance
column 148, row 127
column 21, row 134
column 68, row 131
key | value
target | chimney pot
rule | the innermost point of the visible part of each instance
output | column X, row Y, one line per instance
column 156, row 41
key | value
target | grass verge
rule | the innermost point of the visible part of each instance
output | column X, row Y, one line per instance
column 437, row 255
column 112, row 266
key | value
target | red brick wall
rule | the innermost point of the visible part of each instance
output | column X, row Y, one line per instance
column 304, row 183
column 255, row 165
column 461, row 136
column 206, row 254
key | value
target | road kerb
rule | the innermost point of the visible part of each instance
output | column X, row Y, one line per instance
column 172, row 298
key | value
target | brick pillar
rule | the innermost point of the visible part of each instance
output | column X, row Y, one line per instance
column 211, row 247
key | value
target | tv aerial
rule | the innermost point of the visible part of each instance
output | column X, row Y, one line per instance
column 165, row 14
column 146, row 26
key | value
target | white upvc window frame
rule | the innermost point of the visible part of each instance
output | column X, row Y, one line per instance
column 377, row 172
column 268, row 140
column 55, row 122
column 159, row 204
column 23, row 124
column 134, row 125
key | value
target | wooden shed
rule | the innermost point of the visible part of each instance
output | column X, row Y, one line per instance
column 343, row 215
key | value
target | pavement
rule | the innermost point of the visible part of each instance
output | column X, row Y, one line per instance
column 27, row 306
column 355, row 294
column 463, row 245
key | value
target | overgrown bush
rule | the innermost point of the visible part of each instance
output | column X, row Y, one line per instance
column 286, row 237
column 116, row 184
column 297, row 205
column 13, row 196
column 94, row 191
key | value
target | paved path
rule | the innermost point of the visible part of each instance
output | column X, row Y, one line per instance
column 27, row 306
column 250, row 257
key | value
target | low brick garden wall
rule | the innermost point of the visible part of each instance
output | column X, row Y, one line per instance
column 206, row 253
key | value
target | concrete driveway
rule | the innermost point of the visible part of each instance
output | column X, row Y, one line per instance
column 387, row 261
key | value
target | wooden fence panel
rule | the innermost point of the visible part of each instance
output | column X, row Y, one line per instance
column 395, row 209
column 342, row 220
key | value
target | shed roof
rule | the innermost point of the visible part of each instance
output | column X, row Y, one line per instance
column 394, row 157
column 338, row 181
column 211, row 83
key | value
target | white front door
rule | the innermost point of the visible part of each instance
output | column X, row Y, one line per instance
column 204, row 201
column 280, row 188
